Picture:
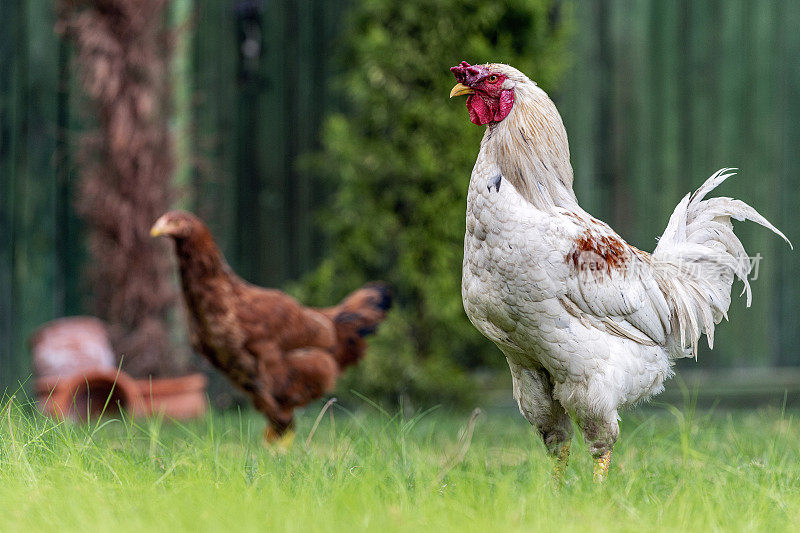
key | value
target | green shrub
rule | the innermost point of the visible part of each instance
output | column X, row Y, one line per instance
column 398, row 160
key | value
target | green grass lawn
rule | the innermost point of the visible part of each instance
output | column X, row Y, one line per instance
column 673, row 470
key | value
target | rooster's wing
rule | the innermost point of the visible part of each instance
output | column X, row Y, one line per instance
column 612, row 286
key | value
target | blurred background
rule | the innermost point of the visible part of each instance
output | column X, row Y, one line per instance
column 317, row 140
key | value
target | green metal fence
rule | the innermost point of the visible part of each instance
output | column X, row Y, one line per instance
column 661, row 94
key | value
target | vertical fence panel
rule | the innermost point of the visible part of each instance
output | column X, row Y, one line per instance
column 9, row 130
column 764, row 166
column 36, row 259
column 28, row 261
column 214, row 116
column 641, row 124
column 307, row 127
column 785, row 194
column 580, row 111
column 278, row 129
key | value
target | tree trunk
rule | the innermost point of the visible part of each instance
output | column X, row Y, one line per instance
column 123, row 52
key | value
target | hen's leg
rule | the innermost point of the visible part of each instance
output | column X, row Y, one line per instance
column 533, row 391
column 265, row 374
column 307, row 373
column 279, row 432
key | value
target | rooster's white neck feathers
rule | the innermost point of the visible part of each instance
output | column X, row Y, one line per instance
column 530, row 146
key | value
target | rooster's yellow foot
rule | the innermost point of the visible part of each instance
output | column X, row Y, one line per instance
column 601, row 465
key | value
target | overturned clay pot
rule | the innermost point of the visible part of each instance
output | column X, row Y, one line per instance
column 182, row 397
column 89, row 394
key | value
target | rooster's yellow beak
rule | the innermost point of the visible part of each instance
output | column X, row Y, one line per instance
column 460, row 89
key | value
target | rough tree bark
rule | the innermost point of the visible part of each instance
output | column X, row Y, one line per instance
column 123, row 50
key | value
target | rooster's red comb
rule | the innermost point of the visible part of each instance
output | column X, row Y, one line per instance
column 469, row 74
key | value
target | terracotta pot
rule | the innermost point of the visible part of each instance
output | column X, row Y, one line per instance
column 70, row 345
column 77, row 374
column 181, row 397
column 88, row 394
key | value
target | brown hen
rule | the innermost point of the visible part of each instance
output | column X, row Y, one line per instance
column 281, row 354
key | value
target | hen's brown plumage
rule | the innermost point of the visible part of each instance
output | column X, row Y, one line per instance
column 281, row 354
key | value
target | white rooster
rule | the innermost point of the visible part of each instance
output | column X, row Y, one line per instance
column 587, row 322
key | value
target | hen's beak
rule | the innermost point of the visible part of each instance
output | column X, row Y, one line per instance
column 460, row 89
column 159, row 228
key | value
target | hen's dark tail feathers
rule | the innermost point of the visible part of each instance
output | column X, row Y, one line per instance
column 358, row 316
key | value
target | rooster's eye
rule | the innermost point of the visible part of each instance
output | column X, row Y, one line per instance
column 492, row 78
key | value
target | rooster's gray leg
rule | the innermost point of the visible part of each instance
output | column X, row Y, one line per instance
column 601, row 434
column 533, row 390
